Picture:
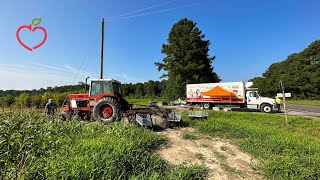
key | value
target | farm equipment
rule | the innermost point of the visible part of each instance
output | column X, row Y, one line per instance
column 174, row 118
column 198, row 114
column 105, row 102
column 144, row 120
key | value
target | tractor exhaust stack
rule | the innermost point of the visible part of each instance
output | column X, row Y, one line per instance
column 102, row 39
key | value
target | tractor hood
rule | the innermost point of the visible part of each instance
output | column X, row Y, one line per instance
column 78, row 96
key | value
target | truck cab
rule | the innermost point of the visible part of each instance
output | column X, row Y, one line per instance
column 255, row 101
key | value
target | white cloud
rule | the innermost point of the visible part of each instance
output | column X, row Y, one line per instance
column 22, row 77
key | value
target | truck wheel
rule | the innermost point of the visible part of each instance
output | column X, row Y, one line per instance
column 267, row 108
column 206, row 105
column 107, row 110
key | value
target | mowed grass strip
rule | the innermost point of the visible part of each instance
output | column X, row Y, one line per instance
column 304, row 102
column 32, row 148
column 286, row 151
column 145, row 101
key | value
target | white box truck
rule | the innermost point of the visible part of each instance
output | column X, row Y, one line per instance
column 229, row 93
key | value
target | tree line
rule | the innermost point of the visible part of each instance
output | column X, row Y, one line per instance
column 300, row 73
column 39, row 98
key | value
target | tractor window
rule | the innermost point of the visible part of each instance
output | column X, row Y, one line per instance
column 96, row 88
column 99, row 87
column 106, row 87
column 116, row 88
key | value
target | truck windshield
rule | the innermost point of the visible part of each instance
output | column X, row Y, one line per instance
column 254, row 94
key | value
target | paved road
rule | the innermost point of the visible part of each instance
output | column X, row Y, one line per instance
column 303, row 110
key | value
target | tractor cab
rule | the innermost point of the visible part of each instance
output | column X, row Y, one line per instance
column 104, row 86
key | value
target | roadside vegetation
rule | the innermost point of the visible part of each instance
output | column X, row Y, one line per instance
column 300, row 73
column 285, row 151
column 304, row 102
column 31, row 147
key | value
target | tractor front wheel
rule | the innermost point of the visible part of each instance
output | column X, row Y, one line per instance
column 107, row 110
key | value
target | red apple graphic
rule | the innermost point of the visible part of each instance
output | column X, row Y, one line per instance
column 35, row 23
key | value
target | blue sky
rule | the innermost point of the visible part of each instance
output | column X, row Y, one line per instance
column 246, row 37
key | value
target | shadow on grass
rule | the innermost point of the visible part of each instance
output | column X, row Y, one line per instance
column 251, row 110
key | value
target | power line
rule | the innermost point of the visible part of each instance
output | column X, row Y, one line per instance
column 154, row 12
column 90, row 53
column 94, row 50
column 143, row 9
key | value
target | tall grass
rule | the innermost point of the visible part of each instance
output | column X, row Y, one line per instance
column 286, row 151
column 31, row 147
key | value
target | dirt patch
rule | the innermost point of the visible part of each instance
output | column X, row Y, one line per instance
column 223, row 159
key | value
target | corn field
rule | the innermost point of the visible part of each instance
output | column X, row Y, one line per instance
column 35, row 147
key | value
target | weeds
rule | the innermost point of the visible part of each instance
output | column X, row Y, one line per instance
column 199, row 156
column 189, row 135
column 286, row 151
column 220, row 156
column 231, row 170
column 32, row 148
column 204, row 145
column 224, row 148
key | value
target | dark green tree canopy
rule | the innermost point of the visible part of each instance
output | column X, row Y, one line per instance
column 187, row 58
column 300, row 72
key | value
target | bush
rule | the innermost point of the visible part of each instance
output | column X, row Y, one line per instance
column 286, row 151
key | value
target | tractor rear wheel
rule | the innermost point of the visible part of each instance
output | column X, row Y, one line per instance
column 107, row 110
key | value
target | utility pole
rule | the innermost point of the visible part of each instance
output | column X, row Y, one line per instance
column 284, row 101
column 102, row 39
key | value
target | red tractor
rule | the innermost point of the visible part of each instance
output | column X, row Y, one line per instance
column 104, row 102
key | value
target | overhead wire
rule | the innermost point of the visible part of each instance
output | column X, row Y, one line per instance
column 90, row 52
column 85, row 57
column 153, row 12
column 143, row 9
column 94, row 50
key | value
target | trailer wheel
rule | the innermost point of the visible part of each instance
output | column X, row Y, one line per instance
column 267, row 108
column 107, row 110
column 206, row 105
column 125, row 105
column 63, row 116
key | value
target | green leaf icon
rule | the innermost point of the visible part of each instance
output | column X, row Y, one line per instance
column 36, row 21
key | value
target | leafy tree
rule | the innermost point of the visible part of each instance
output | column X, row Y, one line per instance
column 7, row 101
column 44, row 98
column 300, row 72
column 24, row 100
column 187, row 58
column 150, row 89
column 36, row 101
column 139, row 90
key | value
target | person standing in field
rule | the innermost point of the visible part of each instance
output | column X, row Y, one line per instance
column 49, row 109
